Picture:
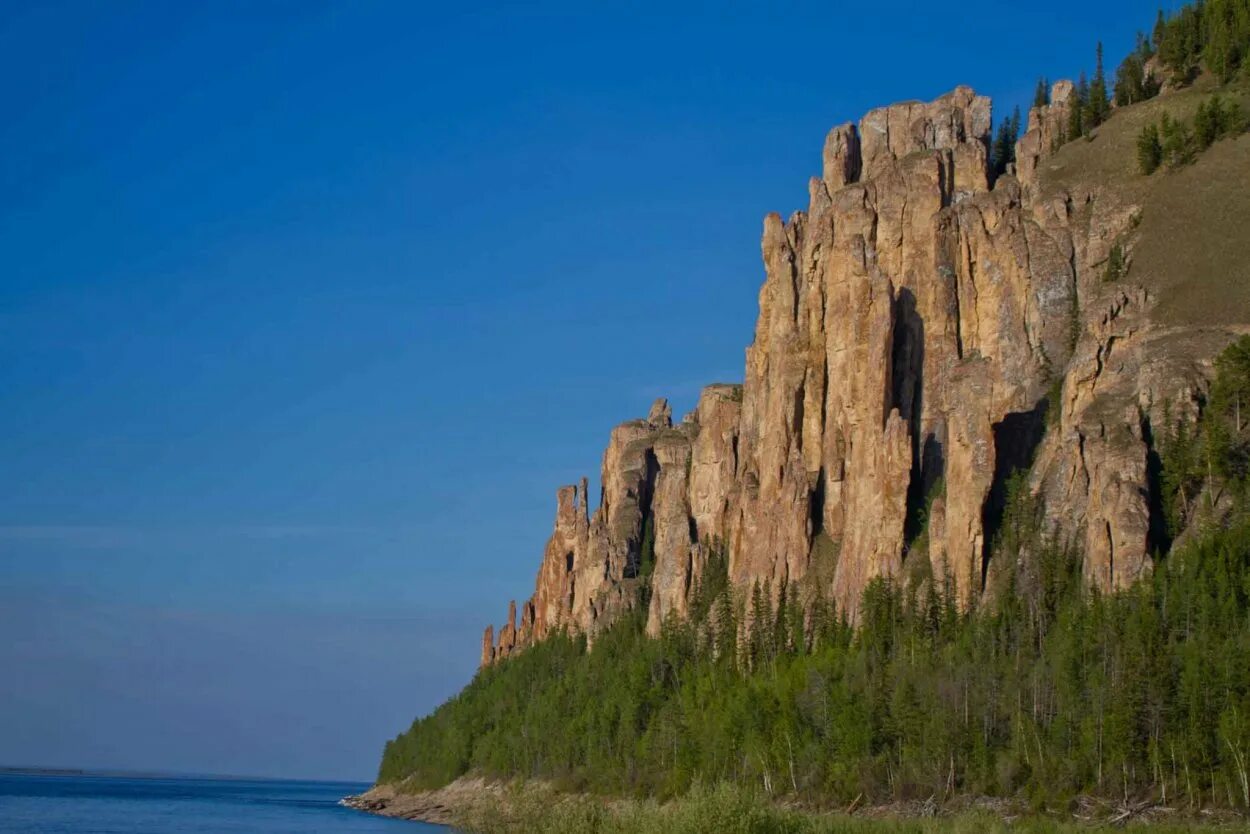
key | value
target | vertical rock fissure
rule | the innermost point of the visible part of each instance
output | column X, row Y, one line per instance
column 816, row 505
column 1016, row 438
column 1158, row 537
column 634, row 566
column 907, row 360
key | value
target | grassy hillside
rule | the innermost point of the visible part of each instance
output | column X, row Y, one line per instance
column 1190, row 247
column 726, row 810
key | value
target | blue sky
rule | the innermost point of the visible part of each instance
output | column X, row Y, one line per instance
column 306, row 309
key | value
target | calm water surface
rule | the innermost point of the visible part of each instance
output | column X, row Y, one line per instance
column 125, row 805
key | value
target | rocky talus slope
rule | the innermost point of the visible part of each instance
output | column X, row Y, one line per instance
column 924, row 332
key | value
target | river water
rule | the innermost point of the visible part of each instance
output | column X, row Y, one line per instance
column 54, row 804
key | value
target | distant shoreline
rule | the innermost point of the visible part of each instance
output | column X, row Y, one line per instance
column 89, row 773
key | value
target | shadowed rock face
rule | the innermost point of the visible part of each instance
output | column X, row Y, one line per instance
column 912, row 325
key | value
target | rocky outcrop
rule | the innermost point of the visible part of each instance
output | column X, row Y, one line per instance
column 674, row 540
column 916, row 324
column 1046, row 131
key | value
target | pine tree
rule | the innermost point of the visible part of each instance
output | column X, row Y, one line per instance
column 1235, row 120
column 761, row 626
column 1207, row 123
column 1076, row 113
column 1095, row 100
column 726, row 626
column 1178, row 141
column 1129, row 81
column 1149, row 149
column 1002, row 150
column 1183, row 40
column 1226, row 35
column 1132, row 82
column 1041, row 94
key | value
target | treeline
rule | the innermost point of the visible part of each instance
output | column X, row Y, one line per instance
column 1175, row 142
column 1214, row 34
column 1049, row 690
column 1210, row 33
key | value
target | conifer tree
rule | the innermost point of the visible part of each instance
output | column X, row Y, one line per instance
column 1132, row 82
column 1076, row 113
column 761, row 625
column 1226, row 36
column 1149, row 149
column 1129, row 81
column 1041, row 94
column 1003, row 149
column 1207, row 123
column 1178, row 141
column 725, row 626
column 1095, row 99
column 1182, row 42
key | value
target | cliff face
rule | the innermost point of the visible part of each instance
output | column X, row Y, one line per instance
column 917, row 323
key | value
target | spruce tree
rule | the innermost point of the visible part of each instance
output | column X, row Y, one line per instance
column 1041, row 94
column 1178, row 141
column 1226, row 34
column 1076, row 113
column 1207, row 123
column 1132, row 82
column 1095, row 99
column 1149, row 149
column 1128, row 81
column 1002, row 152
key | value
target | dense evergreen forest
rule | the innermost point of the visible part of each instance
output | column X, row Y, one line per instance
column 1048, row 690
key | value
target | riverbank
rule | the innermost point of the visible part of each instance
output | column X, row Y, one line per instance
column 482, row 807
column 447, row 805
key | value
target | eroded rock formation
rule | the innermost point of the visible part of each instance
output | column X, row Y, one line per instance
column 916, row 323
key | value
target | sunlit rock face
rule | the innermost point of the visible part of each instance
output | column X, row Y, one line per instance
column 923, row 334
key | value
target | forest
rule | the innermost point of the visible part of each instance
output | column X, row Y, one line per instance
column 1047, row 691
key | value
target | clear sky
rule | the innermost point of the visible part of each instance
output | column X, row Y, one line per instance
column 306, row 309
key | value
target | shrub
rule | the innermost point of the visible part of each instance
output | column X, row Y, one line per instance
column 1149, row 149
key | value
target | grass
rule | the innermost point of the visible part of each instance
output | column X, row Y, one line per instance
column 728, row 810
column 1190, row 244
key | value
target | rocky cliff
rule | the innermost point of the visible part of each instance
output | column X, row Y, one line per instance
column 924, row 332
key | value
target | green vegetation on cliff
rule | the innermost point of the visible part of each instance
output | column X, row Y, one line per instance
column 728, row 810
column 1048, row 691
column 1054, row 692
